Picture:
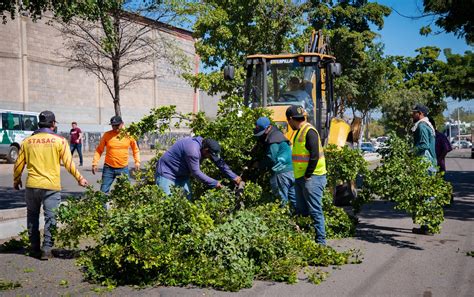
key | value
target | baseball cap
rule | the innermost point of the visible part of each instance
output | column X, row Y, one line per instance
column 116, row 120
column 214, row 148
column 46, row 117
column 260, row 126
column 295, row 111
column 421, row 108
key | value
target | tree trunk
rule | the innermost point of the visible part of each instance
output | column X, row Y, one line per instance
column 366, row 121
column 116, row 74
column 116, row 67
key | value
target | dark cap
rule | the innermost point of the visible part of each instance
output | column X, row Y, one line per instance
column 214, row 148
column 116, row 120
column 260, row 126
column 421, row 108
column 295, row 111
column 46, row 118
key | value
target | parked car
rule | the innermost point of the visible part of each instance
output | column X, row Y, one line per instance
column 367, row 147
column 461, row 144
column 380, row 143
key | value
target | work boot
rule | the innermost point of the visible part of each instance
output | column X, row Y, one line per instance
column 46, row 254
column 34, row 253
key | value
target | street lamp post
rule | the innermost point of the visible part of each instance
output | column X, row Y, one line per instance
column 459, row 129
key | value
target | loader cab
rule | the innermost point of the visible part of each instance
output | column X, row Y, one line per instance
column 278, row 81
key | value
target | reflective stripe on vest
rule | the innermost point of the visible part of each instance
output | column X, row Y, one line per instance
column 300, row 155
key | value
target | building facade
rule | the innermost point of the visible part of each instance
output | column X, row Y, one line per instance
column 33, row 77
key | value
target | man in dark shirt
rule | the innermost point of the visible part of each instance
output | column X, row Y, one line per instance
column 442, row 146
column 76, row 141
column 309, row 166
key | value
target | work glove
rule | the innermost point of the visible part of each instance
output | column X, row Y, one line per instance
column 280, row 165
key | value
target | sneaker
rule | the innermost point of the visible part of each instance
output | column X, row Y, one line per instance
column 422, row 230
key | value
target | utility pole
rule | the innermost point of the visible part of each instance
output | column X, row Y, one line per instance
column 450, row 134
column 459, row 129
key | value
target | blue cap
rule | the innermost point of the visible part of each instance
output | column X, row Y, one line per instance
column 260, row 126
column 421, row 108
column 116, row 120
column 214, row 148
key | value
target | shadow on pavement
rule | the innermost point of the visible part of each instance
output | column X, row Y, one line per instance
column 463, row 182
column 384, row 234
column 11, row 198
column 61, row 253
column 382, row 209
column 460, row 210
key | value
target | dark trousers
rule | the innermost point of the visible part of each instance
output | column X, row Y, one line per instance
column 78, row 147
column 50, row 200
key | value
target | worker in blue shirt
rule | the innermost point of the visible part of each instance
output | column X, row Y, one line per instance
column 277, row 159
column 183, row 160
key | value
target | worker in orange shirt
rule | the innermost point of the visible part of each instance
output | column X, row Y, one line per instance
column 116, row 155
column 42, row 153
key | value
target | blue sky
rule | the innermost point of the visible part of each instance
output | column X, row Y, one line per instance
column 401, row 37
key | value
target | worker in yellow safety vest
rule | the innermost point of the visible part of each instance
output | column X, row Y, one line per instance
column 309, row 168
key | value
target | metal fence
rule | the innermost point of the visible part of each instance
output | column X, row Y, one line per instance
column 147, row 142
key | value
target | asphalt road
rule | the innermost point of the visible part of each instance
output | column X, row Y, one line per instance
column 396, row 262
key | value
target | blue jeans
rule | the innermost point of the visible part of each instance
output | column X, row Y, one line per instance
column 50, row 199
column 283, row 186
column 109, row 174
column 165, row 184
column 309, row 201
column 78, row 147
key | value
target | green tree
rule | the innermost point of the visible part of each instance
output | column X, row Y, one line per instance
column 396, row 108
column 458, row 75
column 352, row 42
column 452, row 16
column 462, row 114
column 376, row 129
column 370, row 81
column 424, row 79
column 227, row 31
column 65, row 10
column 413, row 80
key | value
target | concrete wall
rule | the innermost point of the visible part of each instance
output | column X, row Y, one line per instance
column 33, row 77
column 208, row 104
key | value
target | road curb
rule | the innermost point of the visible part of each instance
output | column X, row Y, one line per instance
column 11, row 214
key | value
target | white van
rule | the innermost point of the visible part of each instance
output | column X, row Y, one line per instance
column 14, row 127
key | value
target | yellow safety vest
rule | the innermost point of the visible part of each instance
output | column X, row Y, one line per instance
column 300, row 154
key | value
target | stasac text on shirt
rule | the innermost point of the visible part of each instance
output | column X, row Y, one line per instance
column 42, row 152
